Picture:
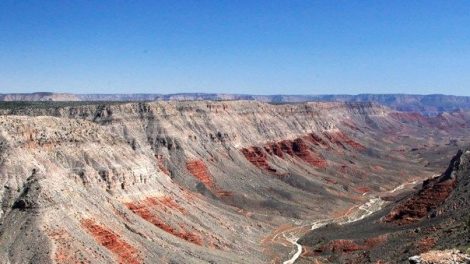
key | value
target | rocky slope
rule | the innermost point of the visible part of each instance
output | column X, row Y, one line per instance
column 179, row 182
column 427, row 104
column 434, row 217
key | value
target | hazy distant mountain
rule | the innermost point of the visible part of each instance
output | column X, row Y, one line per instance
column 40, row 96
column 429, row 104
column 433, row 103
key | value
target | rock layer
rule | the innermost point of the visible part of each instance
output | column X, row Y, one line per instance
column 107, row 238
column 433, row 217
column 176, row 181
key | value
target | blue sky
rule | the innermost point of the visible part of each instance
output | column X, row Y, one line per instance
column 257, row 47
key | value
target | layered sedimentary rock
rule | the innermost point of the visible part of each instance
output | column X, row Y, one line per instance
column 427, row 104
column 113, row 242
column 412, row 229
column 165, row 182
column 433, row 193
column 199, row 170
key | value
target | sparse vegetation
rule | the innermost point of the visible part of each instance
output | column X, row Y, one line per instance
column 467, row 226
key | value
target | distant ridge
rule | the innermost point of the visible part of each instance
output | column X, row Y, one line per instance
column 427, row 104
column 39, row 96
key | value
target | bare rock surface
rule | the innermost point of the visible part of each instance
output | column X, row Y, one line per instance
column 198, row 182
column 431, row 104
column 441, row 257
column 425, row 226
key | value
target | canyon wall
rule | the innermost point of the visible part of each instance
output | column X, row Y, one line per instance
column 431, row 104
column 197, row 181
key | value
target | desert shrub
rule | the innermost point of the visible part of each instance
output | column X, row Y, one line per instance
column 467, row 225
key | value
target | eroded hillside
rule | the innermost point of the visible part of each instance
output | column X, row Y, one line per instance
column 173, row 182
column 431, row 221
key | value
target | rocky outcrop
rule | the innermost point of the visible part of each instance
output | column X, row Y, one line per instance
column 161, row 164
column 148, row 208
column 440, row 257
column 298, row 148
column 348, row 245
column 340, row 139
column 199, row 170
column 432, row 194
column 113, row 242
column 258, row 157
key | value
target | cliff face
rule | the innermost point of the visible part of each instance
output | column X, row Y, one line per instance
column 427, row 104
column 197, row 181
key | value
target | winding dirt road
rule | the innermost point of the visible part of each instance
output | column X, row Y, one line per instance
column 374, row 204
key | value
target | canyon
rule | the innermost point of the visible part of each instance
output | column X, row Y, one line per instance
column 431, row 104
column 427, row 225
column 239, row 181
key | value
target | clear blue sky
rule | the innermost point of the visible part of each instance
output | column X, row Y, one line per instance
column 257, row 47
